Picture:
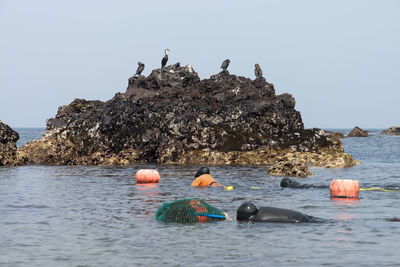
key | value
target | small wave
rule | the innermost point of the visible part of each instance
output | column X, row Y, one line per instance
column 28, row 206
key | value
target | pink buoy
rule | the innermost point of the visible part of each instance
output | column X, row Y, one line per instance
column 144, row 176
column 344, row 188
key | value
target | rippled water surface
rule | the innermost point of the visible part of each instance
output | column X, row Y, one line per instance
column 97, row 216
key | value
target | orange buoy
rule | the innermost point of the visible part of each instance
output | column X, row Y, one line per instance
column 344, row 188
column 144, row 176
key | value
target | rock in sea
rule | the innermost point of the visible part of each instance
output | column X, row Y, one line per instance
column 357, row 132
column 336, row 135
column 290, row 167
column 394, row 130
column 8, row 147
column 172, row 116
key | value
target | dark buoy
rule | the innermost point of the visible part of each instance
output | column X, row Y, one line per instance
column 258, row 71
column 140, row 68
column 165, row 58
column 225, row 64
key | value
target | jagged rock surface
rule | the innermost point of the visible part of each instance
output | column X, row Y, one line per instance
column 290, row 167
column 357, row 132
column 336, row 135
column 174, row 117
column 395, row 130
column 8, row 146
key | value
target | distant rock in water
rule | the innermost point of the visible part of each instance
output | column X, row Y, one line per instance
column 357, row 132
column 336, row 135
column 174, row 117
column 394, row 130
column 8, row 146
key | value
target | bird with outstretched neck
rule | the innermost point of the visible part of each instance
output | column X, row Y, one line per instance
column 258, row 71
column 165, row 58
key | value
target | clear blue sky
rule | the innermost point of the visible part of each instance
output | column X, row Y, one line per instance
column 339, row 59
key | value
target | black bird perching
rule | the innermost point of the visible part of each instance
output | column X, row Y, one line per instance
column 258, row 71
column 225, row 64
column 140, row 68
column 165, row 58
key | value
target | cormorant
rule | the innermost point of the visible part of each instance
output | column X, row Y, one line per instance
column 165, row 58
column 258, row 71
column 140, row 68
column 225, row 64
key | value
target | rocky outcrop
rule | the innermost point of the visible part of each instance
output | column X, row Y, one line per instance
column 290, row 167
column 394, row 130
column 296, row 163
column 335, row 135
column 357, row 132
column 8, row 147
column 172, row 116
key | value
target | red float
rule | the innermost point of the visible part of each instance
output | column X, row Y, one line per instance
column 344, row 188
column 145, row 176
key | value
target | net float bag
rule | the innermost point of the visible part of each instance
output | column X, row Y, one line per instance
column 189, row 210
column 345, row 188
column 145, row 176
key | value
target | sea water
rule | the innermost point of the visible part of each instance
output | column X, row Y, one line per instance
column 98, row 216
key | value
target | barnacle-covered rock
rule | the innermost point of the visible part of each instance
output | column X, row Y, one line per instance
column 172, row 116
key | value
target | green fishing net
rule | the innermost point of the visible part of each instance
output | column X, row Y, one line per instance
column 189, row 210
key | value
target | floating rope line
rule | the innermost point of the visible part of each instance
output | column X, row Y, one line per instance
column 378, row 189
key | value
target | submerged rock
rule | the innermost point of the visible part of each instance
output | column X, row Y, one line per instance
column 394, row 130
column 8, row 147
column 290, row 167
column 296, row 164
column 174, row 117
column 357, row 132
